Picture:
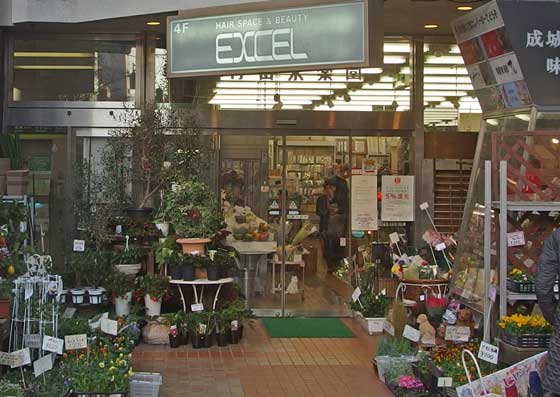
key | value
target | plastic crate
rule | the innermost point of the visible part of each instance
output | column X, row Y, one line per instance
column 145, row 384
column 523, row 287
column 530, row 341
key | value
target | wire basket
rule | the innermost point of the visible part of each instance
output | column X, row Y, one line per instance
column 145, row 384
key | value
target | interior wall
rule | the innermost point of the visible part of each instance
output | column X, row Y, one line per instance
column 450, row 145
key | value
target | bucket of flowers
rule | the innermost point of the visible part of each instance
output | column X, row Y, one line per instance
column 526, row 331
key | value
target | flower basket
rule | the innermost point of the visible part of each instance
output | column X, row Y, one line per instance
column 527, row 340
column 414, row 288
column 523, row 287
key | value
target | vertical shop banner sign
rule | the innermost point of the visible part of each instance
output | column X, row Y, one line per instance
column 397, row 204
column 506, row 69
column 297, row 38
column 484, row 19
column 364, row 202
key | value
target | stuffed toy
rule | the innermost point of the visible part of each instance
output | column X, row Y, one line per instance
column 465, row 319
column 427, row 332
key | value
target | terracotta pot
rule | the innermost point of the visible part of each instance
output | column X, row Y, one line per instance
column 4, row 308
column 201, row 273
column 193, row 246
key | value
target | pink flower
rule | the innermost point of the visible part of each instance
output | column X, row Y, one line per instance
column 409, row 382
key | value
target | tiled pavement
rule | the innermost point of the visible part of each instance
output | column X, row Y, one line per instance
column 261, row 366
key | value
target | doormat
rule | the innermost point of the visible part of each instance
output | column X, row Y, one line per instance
column 306, row 328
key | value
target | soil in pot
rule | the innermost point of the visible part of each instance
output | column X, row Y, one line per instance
column 213, row 272
column 188, row 273
column 4, row 308
column 222, row 339
column 174, row 341
column 198, row 341
column 209, row 340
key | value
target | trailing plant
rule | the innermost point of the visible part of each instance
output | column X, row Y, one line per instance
column 371, row 305
column 394, row 347
column 155, row 285
column 132, row 255
column 118, row 284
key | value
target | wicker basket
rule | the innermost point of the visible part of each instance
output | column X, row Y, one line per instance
column 535, row 341
column 414, row 288
column 523, row 287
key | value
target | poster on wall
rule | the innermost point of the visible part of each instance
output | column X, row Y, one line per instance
column 364, row 202
column 397, row 204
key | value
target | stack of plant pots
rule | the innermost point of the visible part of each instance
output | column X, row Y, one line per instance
column 17, row 181
column 4, row 168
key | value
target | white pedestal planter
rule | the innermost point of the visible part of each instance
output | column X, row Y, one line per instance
column 152, row 308
column 372, row 325
column 163, row 228
column 78, row 295
column 95, row 296
column 122, row 304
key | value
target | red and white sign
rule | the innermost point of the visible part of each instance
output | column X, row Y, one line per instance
column 397, row 204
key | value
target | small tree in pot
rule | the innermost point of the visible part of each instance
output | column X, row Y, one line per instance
column 153, row 288
column 120, row 286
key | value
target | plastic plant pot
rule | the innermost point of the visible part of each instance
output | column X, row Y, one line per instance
column 95, row 296
column 122, row 304
column 78, row 295
column 174, row 341
column 188, row 273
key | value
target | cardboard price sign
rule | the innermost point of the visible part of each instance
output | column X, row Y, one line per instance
column 197, row 307
column 356, row 294
column 74, row 342
column 79, row 245
column 43, row 365
column 411, row 334
column 7, row 359
column 110, row 327
column 54, row 345
column 22, row 357
column 488, row 352
column 33, row 341
column 515, row 239
column 458, row 334
column 389, row 328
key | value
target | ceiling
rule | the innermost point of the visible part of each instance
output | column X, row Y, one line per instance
column 402, row 18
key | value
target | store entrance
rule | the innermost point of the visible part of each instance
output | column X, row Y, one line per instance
column 287, row 200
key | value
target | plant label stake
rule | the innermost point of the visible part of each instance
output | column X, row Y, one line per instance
column 488, row 352
column 21, row 357
column 110, row 327
column 54, row 345
column 74, row 342
column 411, row 334
column 445, row 382
column 79, row 246
column 356, row 294
column 42, row 365
column 389, row 328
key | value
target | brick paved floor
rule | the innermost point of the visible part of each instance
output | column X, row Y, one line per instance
column 261, row 366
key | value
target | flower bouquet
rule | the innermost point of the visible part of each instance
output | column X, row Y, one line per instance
column 526, row 331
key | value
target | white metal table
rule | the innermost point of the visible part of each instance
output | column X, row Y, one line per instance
column 202, row 283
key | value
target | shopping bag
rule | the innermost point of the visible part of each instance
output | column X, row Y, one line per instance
column 481, row 378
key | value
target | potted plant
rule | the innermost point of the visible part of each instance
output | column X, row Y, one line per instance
column 526, row 331
column 239, row 313
column 164, row 249
column 226, row 260
column 223, row 319
column 195, row 215
column 129, row 260
column 154, row 288
column 155, row 145
column 5, row 297
column 370, row 310
column 174, row 263
column 120, row 287
column 94, row 274
column 163, row 215
column 78, row 264
column 197, row 329
column 392, row 351
column 203, row 263
column 176, row 322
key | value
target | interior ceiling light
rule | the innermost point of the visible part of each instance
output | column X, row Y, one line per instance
column 431, row 26
column 556, row 141
column 445, row 60
column 27, row 54
column 464, row 8
column 524, row 117
column 153, row 23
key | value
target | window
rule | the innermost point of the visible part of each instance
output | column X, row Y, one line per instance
column 74, row 70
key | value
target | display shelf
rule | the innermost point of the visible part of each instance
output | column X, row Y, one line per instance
column 529, row 206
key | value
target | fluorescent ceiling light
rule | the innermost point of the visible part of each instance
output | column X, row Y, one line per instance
column 463, row 87
column 258, row 100
column 447, row 79
column 267, row 97
column 256, row 92
column 396, row 47
column 153, row 23
column 55, row 67
column 404, row 93
column 25, row 54
column 261, row 107
column 372, row 71
column 393, row 59
column 524, row 117
column 431, row 26
column 435, row 70
column 348, row 108
column 378, row 86
column 492, row 121
column 445, row 60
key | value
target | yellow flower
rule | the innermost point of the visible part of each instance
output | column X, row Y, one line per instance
column 112, row 368
column 101, row 365
column 130, row 373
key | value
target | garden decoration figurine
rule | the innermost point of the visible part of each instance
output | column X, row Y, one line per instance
column 427, row 332
column 465, row 318
column 293, row 286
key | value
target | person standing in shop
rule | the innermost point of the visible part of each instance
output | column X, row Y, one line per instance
column 338, row 217
column 323, row 210
column 547, row 273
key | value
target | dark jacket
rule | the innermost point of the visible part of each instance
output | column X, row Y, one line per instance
column 341, row 196
column 547, row 272
column 322, row 209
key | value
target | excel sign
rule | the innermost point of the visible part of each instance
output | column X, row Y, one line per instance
column 318, row 36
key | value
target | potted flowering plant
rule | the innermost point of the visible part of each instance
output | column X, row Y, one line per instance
column 526, row 331
column 519, row 281
column 370, row 310
column 154, row 288
column 120, row 286
column 435, row 307
column 129, row 260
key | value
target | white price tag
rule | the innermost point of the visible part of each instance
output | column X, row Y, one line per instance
column 33, row 341
column 445, row 382
column 394, row 238
column 422, row 298
column 110, row 327
column 74, row 342
column 197, row 307
column 343, row 241
column 54, row 345
column 441, row 247
column 79, row 245
column 356, row 294
column 42, row 365
column 515, row 239
column 424, row 206
column 388, row 327
column 69, row 312
column 488, row 352
column 411, row 334
column 457, row 334
column 22, row 357
column 7, row 359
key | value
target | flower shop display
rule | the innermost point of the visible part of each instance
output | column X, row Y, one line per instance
column 120, row 286
column 370, row 309
column 153, row 288
column 142, row 233
column 245, row 225
column 520, row 281
column 427, row 331
column 393, row 350
column 526, row 331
